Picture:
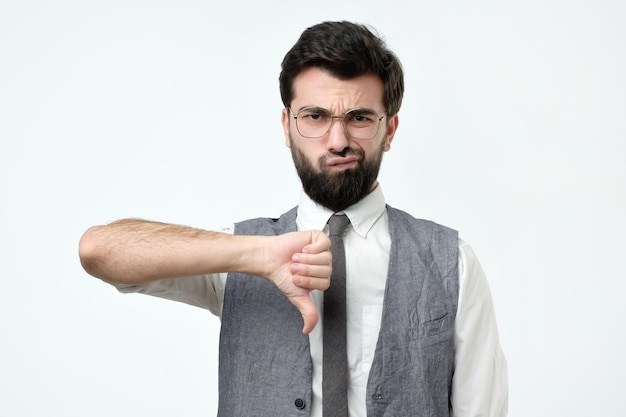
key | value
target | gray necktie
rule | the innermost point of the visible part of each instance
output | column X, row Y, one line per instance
column 335, row 366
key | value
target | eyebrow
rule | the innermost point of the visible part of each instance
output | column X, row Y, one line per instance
column 314, row 108
column 320, row 109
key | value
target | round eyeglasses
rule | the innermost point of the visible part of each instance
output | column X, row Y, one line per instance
column 315, row 122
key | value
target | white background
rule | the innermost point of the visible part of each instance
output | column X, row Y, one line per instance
column 512, row 131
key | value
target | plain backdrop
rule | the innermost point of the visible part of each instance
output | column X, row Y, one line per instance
column 512, row 131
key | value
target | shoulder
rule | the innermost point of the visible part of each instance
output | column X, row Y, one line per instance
column 431, row 241
column 268, row 225
column 404, row 219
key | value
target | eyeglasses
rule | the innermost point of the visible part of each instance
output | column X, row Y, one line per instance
column 315, row 122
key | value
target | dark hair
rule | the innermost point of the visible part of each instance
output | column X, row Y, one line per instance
column 347, row 50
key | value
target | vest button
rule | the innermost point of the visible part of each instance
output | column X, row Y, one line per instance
column 299, row 403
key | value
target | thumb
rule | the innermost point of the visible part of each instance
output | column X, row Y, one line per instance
column 319, row 242
column 307, row 309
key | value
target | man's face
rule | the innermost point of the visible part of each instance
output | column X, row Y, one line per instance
column 336, row 169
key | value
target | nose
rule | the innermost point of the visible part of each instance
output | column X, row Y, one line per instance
column 337, row 138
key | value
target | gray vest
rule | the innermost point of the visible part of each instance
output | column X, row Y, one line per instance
column 265, row 360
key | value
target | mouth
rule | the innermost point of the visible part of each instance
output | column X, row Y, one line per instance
column 342, row 162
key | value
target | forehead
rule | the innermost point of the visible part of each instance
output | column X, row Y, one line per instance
column 317, row 87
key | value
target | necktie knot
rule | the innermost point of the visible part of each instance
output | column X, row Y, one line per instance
column 337, row 224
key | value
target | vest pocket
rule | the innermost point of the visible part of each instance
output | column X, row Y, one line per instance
column 431, row 327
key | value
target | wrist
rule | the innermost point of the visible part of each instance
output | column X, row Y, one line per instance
column 254, row 256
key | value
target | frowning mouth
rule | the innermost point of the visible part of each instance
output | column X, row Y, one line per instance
column 342, row 162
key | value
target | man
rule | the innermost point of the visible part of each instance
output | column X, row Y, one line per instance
column 421, row 333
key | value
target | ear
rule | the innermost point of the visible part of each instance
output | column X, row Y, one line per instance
column 285, row 121
column 392, row 126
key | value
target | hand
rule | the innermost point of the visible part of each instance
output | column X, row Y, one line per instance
column 302, row 263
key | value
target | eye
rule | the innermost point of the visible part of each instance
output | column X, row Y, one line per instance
column 314, row 115
column 361, row 117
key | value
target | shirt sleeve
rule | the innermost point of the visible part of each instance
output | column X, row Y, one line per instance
column 480, row 381
column 205, row 291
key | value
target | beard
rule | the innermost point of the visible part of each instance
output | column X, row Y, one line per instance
column 337, row 190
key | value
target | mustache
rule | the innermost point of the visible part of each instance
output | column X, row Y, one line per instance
column 359, row 153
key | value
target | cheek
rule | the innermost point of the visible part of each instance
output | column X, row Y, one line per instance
column 312, row 149
column 308, row 151
column 371, row 149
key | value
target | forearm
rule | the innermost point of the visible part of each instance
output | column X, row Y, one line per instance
column 136, row 251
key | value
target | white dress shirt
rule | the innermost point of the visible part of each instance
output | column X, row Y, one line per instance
column 480, row 381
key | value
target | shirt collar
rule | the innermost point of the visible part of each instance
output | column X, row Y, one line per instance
column 362, row 215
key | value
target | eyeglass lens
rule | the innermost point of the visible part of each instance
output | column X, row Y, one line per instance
column 358, row 123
